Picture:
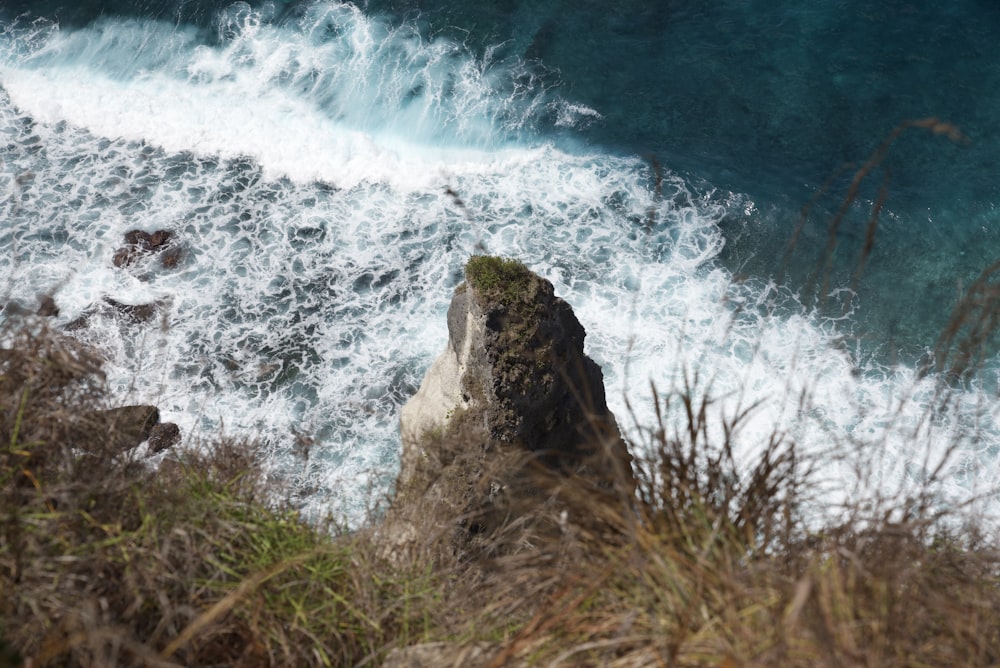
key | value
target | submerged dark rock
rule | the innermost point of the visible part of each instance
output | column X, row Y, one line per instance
column 171, row 257
column 127, row 314
column 135, row 312
column 47, row 307
column 160, row 238
column 14, row 308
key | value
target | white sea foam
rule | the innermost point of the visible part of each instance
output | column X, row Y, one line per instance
column 304, row 170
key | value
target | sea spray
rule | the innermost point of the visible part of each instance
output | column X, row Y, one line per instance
column 328, row 177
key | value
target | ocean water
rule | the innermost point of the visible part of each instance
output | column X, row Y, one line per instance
column 328, row 167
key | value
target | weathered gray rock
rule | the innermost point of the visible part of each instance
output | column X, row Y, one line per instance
column 513, row 391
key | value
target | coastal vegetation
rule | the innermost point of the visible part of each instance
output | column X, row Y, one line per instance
column 105, row 561
column 504, row 280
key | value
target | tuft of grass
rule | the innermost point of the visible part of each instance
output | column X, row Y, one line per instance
column 715, row 565
column 504, row 280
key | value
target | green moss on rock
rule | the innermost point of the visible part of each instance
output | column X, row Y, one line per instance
column 500, row 279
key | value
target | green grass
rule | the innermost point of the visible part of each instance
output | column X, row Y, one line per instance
column 206, row 574
column 504, row 280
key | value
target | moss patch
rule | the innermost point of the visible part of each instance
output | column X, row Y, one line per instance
column 500, row 279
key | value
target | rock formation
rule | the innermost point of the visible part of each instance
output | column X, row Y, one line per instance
column 139, row 244
column 162, row 436
column 512, row 390
column 129, row 426
column 47, row 307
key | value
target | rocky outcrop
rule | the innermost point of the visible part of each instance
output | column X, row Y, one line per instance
column 514, row 366
column 139, row 244
column 129, row 426
column 513, row 389
column 163, row 436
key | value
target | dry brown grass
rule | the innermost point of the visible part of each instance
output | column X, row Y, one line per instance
column 717, row 566
column 104, row 562
column 711, row 563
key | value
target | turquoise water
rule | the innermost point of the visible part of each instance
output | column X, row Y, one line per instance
column 651, row 159
column 772, row 99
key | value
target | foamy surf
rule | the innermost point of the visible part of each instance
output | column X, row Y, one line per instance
column 327, row 180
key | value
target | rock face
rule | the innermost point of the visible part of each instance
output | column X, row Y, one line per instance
column 512, row 385
column 128, row 426
column 514, row 359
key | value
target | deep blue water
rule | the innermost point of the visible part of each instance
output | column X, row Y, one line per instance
column 774, row 97
column 301, row 150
